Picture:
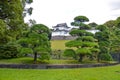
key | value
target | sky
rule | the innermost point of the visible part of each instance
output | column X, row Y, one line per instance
column 53, row 12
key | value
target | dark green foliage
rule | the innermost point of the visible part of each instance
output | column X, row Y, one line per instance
column 104, row 54
column 69, row 52
column 95, row 50
column 36, row 42
column 81, row 25
column 44, row 56
column 110, row 23
column 114, row 29
column 26, row 51
column 89, row 44
column 104, row 43
column 115, row 39
column 118, row 22
column 73, row 43
column 85, row 42
column 11, row 26
column 42, row 29
column 88, row 38
column 83, row 51
column 106, row 57
column 102, row 27
column 76, row 32
column 4, row 38
column 85, row 27
column 8, row 51
column 75, row 24
column 93, row 24
column 81, row 19
column 104, row 35
column 11, row 12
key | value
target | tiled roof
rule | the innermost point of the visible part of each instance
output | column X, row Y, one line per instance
column 61, row 25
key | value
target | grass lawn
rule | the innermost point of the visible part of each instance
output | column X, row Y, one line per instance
column 100, row 73
column 58, row 44
column 22, row 60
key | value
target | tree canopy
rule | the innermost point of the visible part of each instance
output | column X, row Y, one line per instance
column 36, row 41
column 12, row 15
column 81, row 19
column 104, row 42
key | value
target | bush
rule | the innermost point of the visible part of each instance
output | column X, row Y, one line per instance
column 44, row 56
column 8, row 51
column 70, row 53
column 106, row 57
column 57, row 54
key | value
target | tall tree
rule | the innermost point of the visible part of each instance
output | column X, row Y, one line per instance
column 115, row 30
column 11, row 13
column 104, row 42
column 11, row 25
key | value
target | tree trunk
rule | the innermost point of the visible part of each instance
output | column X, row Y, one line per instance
column 35, row 57
column 80, row 58
column 98, row 58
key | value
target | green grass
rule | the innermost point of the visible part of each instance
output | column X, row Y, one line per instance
column 23, row 60
column 29, row 60
column 100, row 73
column 58, row 44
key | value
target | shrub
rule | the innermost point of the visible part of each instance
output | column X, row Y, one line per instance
column 70, row 53
column 8, row 51
column 106, row 57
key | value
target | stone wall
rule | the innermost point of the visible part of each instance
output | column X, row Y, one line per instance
column 63, row 38
column 53, row 66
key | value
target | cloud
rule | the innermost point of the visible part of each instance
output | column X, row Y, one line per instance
column 115, row 4
column 52, row 12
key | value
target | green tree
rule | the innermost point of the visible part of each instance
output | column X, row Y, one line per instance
column 117, row 22
column 70, row 53
column 12, row 14
column 36, row 41
column 3, row 31
column 110, row 23
column 79, row 21
column 93, row 25
column 83, row 46
column 85, row 43
column 104, row 42
column 115, row 37
column 11, row 24
column 113, row 32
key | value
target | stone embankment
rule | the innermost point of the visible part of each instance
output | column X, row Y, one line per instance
column 54, row 66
